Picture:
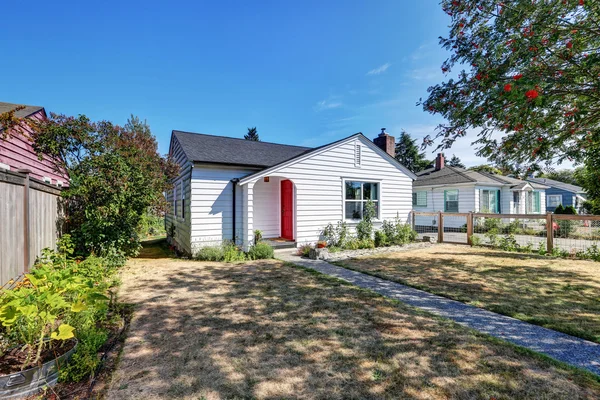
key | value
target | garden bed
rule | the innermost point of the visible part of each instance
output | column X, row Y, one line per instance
column 340, row 255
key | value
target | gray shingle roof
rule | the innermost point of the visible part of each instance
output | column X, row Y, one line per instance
column 558, row 184
column 200, row 147
column 455, row 175
column 27, row 111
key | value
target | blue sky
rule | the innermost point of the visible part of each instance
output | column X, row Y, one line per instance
column 302, row 72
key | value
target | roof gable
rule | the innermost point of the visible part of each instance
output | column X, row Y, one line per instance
column 204, row 148
column 25, row 112
column 557, row 184
column 318, row 150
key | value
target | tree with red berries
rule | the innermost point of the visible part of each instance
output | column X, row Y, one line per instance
column 528, row 80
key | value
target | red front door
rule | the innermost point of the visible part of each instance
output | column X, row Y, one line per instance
column 287, row 210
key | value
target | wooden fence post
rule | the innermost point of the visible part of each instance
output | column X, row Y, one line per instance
column 25, row 172
column 413, row 216
column 549, row 232
column 440, row 227
column 470, row 229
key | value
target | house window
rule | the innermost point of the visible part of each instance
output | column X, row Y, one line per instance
column 451, row 200
column 356, row 196
column 533, row 203
column 554, row 200
column 182, row 201
column 489, row 201
column 357, row 155
column 175, row 200
column 420, row 199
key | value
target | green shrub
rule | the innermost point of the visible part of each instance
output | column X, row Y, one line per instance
column 59, row 299
column 257, row 236
column 352, row 244
column 381, row 239
column 85, row 360
column 508, row 243
column 151, row 225
column 336, row 236
column 475, row 240
column 261, row 251
column 367, row 243
column 210, row 253
column 232, row 253
column 397, row 232
column 304, row 250
column 364, row 229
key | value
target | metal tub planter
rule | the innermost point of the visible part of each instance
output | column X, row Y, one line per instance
column 30, row 381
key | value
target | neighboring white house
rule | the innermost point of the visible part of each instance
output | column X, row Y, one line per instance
column 230, row 187
column 457, row 190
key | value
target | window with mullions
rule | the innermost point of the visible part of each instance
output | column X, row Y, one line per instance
column 356, row 196
column 451, row 200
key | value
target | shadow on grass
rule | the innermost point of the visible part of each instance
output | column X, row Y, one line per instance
column 518, row 285
column 267, row 330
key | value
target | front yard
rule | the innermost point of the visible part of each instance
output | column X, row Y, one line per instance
column 559, row 294
column 267, row 330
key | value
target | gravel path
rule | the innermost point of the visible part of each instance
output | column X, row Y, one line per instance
column 575, row 351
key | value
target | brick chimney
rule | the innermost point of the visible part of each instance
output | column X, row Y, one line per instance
column 439, row 161
column 386, row 142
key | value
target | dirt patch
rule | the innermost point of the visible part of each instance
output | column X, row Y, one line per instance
column 559, row 294
column 267, row 330
column 13, row 360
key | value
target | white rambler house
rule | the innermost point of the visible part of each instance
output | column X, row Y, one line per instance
column 229, row 187
column 457, row 190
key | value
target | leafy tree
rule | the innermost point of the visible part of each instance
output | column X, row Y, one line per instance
column 528, row 80
column 115, row 174
column 561, row 175
column 486, row 168
column 252, row 135
column 408, row 154
column 455, row 162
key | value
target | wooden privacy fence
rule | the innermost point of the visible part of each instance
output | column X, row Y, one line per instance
column 30, row 220
column 568, row 232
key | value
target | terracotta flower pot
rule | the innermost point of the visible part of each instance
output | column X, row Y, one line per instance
column 321, row 245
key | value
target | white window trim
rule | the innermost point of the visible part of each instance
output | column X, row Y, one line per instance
column 47, row 179
column 361, row 180
column 457, row 200
column 417, row 204
column 554, row 195
column 497, row 197
column 5, row 166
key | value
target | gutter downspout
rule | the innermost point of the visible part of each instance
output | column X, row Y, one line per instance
column 234, row 183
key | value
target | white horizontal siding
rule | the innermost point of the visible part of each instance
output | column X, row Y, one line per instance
column 211, row 204
column 182, row 225
column 319, row 191
column 467, row 200
column 267, row 207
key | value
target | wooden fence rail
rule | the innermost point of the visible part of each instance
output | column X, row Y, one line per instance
column 549, row 218
column 30, row 220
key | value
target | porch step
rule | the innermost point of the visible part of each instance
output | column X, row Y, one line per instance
column 280, row 244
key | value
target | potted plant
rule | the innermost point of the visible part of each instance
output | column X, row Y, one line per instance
column 37, row 317
column 321, row 244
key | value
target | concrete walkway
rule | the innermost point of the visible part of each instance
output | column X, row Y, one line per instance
column 575, row 351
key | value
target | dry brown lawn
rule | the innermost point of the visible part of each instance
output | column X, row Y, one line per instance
column 555, row 293
column 268, row 330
